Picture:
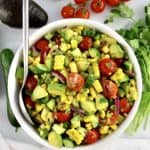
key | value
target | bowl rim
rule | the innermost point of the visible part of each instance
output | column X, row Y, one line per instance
column 13, row 91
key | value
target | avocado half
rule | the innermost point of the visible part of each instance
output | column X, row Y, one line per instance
column 11, row 13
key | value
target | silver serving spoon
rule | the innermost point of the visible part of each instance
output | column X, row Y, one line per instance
column 25, row 4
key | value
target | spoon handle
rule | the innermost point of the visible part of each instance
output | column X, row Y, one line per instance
column 25, row 35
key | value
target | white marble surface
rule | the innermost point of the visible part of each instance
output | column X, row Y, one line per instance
column 11, row 38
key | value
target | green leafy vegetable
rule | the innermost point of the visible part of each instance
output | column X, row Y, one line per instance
column 121, row 11
column 6, row 57
column 138, row 36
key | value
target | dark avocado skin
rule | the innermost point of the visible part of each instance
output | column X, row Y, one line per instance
column 11, row 14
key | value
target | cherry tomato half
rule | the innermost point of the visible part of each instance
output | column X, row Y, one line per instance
column 42, row 45
column 28, row 102
column 98, row 5
column 68, row 11
column 86, row 43
column 82, row 13
column 124, row 105
column 113, row 2
column 110, row 89
column 75, row 81
column 107, row 66
column 91, row 137
column 62, row 116
column 31, row 83
column 80, row 1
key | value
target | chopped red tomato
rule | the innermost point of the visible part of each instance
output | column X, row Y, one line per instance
column 113, row 119
column 28, row 102
column 118, row 61
column 92, row 136
column 110, row 89
column 75, row 81
column 125, row 106
column 42, row 45
column 86, row 43
column 62, row 116
column 107, row 66
column 31, row 83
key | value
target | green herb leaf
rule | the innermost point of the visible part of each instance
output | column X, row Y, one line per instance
column 121, row 11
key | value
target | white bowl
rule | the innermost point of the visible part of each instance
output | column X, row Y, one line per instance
column 13, row 87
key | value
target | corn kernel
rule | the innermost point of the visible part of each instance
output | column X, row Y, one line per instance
column 73, row 67
column 114, row 127
column 92, row 92
column 97, row 86
column 102, row 114
column 104, row 130
column 88, row 126
column 30, row 60
column 105, row 49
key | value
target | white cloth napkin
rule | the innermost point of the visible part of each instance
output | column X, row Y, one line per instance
column 118, row 144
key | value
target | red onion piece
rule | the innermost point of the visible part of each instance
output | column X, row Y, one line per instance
column 58, row 75
column 35, row 53
column 117, row 105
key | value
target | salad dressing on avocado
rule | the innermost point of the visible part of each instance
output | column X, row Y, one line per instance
column 79, row 87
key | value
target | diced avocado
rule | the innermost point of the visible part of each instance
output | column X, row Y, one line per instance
column 128, row 66
column 19, row 73
column 82, row 64
column 56, row 88
column 76, row 52
column 44, row 114
column 116, row 51
column 73, row 67
column 75, row 121
column 43, row 100
column 92, row 119
column 96, row 70
column 51, row 104
column 90, row 80
column 75, row 135
column 34, row 69
column 67, row 34
column 88, row 32
column 94, row 52
column 38, row 93
column 121, row 92
column 119, row 76
column 74, row 43
column 108, row 39
column 83, row 131
column 68, row 143
column 65, row 46
column 43, row 133
column 55, row 139
column 96, row 44
column 58, row 128
column 49, row 62
column 88, row 106
column 48, row 35
column 59, row 61
column 101, row 103
column 97, row 85
column 38, row 68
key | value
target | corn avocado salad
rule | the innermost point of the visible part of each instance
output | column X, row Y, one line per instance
column 80, row 87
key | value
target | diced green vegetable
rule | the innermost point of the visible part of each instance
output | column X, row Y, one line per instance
column 55, row 139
